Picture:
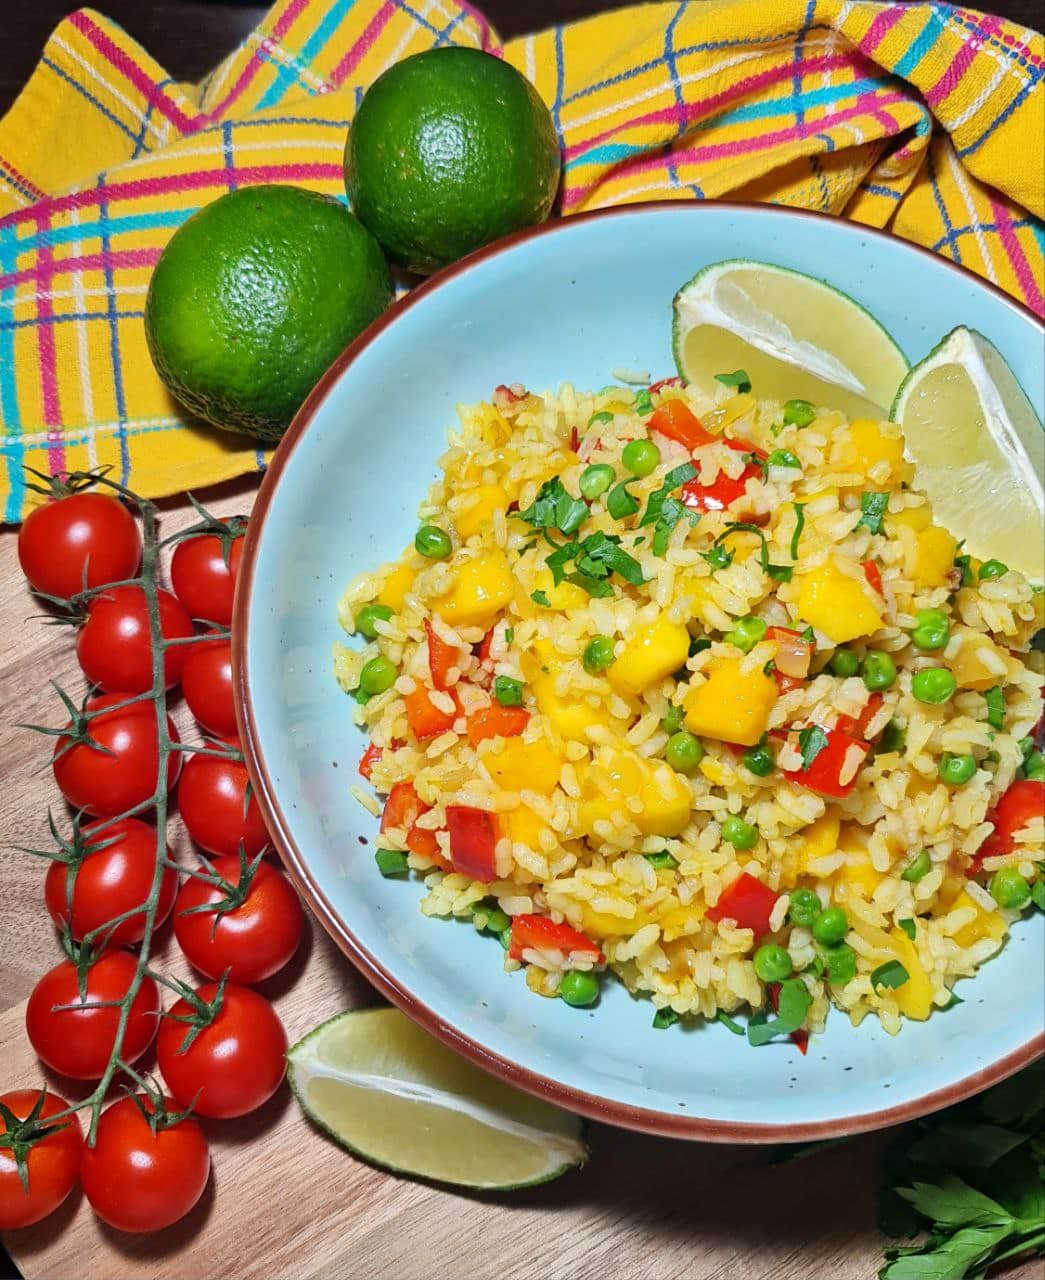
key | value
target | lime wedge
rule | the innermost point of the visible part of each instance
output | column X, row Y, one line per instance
column 797, row 338
column 978, row 449
column 391, row 1094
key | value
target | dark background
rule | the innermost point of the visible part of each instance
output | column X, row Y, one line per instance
column 189, row 36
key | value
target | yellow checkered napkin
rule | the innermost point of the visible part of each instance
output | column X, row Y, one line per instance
column 921, row 117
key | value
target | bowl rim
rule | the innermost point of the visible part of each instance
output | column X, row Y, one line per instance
column 665, row 1124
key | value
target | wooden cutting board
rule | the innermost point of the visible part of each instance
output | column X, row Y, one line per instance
column 285, row 1202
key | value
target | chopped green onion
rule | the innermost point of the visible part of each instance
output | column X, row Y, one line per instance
column 662, row 861
column 540, row 597
column 908, row 926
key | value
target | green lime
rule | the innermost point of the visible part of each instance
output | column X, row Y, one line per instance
column 253, row 298
column 389, row 1092
column 450, row 149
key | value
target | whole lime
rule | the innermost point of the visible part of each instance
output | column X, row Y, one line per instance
column 450, row 149
column 253, row 298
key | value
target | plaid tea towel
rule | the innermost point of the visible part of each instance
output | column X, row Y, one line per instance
column 927, row 118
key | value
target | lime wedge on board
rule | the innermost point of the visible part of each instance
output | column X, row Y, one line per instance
column 978, row 449
column 390, row 1093
column 797, row 338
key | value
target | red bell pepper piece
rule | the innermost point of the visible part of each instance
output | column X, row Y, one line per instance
column 575, row 439
column 676, row 420
column 402, row 809
column 786, row 683
column 541, row 933
column 722, row 492
column 1022, row 803
column 873, row 576
column 800, row 1038
column 425, row 719
column 441, row 657
column 747, row 901
column 825, row 770
column 496, row 721
column 473, row 838
column 506, row 393
column 369, row 758
column 857, row 725
column 667, row 382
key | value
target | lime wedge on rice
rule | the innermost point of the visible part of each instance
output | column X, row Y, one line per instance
column 979, row 450
column 796, row 337
column 390, row 1093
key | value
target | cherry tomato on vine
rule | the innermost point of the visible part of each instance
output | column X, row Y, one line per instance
column 254, row 938
column 109, row 881
column 50, row 1156
column 78, row 1041
column 212, row 799
column 114, row 645
column 234, row 1063
column 140, row 1180
column 202, row 581
column 105, row 783
column 206, row 681
column 59, row 539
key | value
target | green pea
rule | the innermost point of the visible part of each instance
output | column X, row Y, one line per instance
column 391, row 862
column 673, row 720
column 377, row 675
column 740, row 834
column 991, row 569
column 772, row 964
column 684, row 751
column 640, row 457
column 933, row 685
column 746, row 633
column 956, row 770
column 844, row 663
column 508, row 692
column 433, row 542
column 579, row 989
column 759, row 760
column 878, row 670
column 1009, row 889
column 598, row 655
column 932, row 629
column 839, row 963
column 497, row 921
column 831, row 926
column 798, row 413
column 918, row 868
column 368, row 615
column 804, row 907
column 595, row 480
column 1034, row 767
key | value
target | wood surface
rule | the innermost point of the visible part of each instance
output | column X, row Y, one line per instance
column 189, row 36
column 284, row 1202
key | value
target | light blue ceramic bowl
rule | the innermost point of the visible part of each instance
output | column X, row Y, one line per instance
column 569, row 301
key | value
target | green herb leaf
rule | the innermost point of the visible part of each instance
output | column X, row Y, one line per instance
column 729, row 1023
column 908, row 926
column 779, row 572
column 954, row 1203
column 508, row 692
column 664, row 1018
column 597, row 588
column 602, row 416
column 872, row 507
column 892, row 974
column 540, row 597
column 601, row 554
column 719, row 557
column 951, row 1003
column 783, row 458
column 792, row 1007
column 995, row 701
column 554, row 508
column 1037, row 894
column 964, row 1144
column 619, row 502
column 756, row 460
column 671, row 513
column 811, row 741
column 509, row 635
column 808, row 635
column 643, row 404
column 962, row 563
column 947, row 1258
column 391, row 862
column 798, row 413
column 800, row 524
column 738, row 379
column 673, row 480
column 663, row 861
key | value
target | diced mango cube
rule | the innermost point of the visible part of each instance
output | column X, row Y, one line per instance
column 857, row 875
column 484, row 500
column 731, row 706
column 482, row 588
column 604, row 924
column 396, row 585
column 914, row 518
column 980, row 663
column 819, row 839
column 569, row 717
column 523, row 766
column 985, row 924
column 523, row 826
column 871, row 445
column 837, row 604
column 933, row 557
column 618, row 774
column 915, row 996
column 677, row 921
column 493, row 426
column 649, row 654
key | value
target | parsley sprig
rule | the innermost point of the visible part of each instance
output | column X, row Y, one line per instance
column 664, row 512
column 593, row 560
column 555, row 508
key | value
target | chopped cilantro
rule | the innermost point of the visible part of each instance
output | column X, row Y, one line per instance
column 811, row 741
column 779, row 572
column 908, row 926
column 554, row 508
column 962, row 563
column 664, row 1018
column 643, row 404
column 673, row 480
column 719, row 557
column 792, row 1007
column 662, row 861
column 892, row 974
column 540, row 597
column 783, row 458
column 602, row 416
column 738, row 379
column 620, row 503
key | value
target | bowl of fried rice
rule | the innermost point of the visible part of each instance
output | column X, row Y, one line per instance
column 653, row 743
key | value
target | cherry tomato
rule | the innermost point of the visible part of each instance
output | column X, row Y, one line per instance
column 253, row 940
column 213, row 802
column 105, row 783
column 234, row 1064
column 202, row 581
column 138, row 1180
column 51, row 1155
column 110, row 881
column 206, row 681
column 84, row 530
column 114, row 647
column 78, row 1042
